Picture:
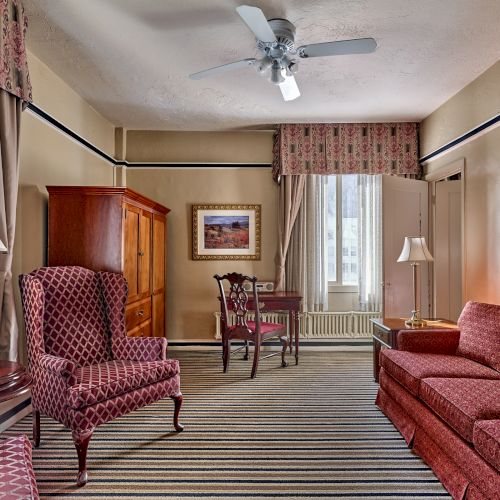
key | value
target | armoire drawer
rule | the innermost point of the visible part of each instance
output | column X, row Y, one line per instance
column 142, row 330
column 137, row 313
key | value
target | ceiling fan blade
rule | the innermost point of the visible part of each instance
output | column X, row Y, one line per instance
column 340, row 48
column 289, row 89
column 222, row 69
column 256, row 20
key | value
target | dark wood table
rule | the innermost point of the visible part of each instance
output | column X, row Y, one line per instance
column 282, row 301
column 385, row 332
column 14, row 380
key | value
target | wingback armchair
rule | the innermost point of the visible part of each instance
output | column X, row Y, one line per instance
column 85, row 369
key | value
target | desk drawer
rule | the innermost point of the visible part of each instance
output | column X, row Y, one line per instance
column 137, row 313
column 383, row 336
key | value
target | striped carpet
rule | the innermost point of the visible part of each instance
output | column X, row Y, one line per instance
column 307, row 431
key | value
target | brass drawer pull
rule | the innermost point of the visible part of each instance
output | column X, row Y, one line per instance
column 141, row 253
column 140, row 313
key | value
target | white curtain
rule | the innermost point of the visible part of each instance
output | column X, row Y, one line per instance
column 306, row 265
column 370, row 242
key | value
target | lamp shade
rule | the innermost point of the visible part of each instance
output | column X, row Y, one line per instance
column 3, row 248
column 415, row 250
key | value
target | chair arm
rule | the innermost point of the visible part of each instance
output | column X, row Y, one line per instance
column 436, row 341
column 140, row 348
column 58, row 366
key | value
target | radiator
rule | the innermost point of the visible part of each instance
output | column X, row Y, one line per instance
column 318, row 325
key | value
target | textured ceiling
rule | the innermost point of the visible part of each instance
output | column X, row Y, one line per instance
column 130, row 59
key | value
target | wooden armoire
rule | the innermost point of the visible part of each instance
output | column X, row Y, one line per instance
column 114, row 229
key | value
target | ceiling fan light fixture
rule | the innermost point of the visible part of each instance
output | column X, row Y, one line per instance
column 276, row 73
column 264, row 64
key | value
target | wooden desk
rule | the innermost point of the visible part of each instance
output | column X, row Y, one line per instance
column 282, row 301
column 14, row 380
column 385, row 332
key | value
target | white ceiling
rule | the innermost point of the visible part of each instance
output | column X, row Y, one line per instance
column 130, row 58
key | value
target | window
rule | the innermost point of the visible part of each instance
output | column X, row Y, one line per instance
column 342, row 225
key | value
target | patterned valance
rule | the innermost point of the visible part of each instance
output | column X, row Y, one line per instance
column 346, row 148
column 14, row 76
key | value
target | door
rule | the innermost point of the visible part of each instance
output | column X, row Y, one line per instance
column 448, row 249
column 404, row 213
column 132, row 216
column 159, row 230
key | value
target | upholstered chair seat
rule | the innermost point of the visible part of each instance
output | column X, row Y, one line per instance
column 85, row 369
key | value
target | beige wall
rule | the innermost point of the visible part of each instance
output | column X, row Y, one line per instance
column 200, row 147
column 473, row 105
column 191, row 289
column 48, row 157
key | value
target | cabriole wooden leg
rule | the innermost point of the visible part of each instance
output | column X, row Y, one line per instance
column 284, row 341
column 178, row 403
column 36, row 428
column 256, row 356
column 81, row 444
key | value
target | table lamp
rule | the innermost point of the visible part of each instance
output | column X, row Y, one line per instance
column 415, row 251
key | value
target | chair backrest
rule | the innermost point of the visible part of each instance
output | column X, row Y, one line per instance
column 74, row 318
column 236, row 298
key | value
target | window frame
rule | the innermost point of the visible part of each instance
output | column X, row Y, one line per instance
column 337, row 286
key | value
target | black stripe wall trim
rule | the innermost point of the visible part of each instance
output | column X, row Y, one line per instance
column 78, row 138
column 15, row 410
column 479, row 129
column 40, row 113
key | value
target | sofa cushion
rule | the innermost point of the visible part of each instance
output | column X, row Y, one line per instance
column 462, row 401
column 480, row 333
column 96, row 383
column 486, row 439
column 409, row 368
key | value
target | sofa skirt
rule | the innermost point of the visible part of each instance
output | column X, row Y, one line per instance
column 462, row 471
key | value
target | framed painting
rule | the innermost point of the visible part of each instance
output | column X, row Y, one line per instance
column 226, row 232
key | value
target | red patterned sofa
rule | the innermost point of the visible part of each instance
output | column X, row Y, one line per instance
column 17, row 480
column 85, row 369
column 441, row 389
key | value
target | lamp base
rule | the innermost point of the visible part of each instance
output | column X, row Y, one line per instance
column 415, row 321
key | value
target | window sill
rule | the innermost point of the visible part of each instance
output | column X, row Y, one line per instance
column 342, row 288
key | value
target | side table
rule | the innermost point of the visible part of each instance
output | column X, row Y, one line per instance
column 14, row 380
column 385, row 332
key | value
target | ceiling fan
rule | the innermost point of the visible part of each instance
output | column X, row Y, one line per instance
column 276, row 43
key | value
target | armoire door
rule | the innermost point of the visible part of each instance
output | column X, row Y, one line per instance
column 159, row 229
column 144, row 253
column 404, row 213
column 132, row 218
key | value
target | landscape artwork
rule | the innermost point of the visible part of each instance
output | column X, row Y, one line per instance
column 229, row 231
column 226, row 232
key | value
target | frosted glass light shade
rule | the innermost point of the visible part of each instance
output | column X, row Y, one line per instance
column 3, row 248
column 415, row 250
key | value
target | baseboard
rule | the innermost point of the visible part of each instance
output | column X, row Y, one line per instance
column 14, row 410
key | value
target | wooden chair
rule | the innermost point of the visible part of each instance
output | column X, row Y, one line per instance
column 249, row 331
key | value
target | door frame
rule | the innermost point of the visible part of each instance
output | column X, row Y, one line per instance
column 441, row 173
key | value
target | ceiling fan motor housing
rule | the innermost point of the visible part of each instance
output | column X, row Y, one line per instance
column 285, row 34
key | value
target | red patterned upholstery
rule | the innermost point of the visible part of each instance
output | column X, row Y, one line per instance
column 429, row 340
column 17, row 480
column 462, row 401
column 85, row 370
column 486, row 439
column 480, row 333
column 409, row 368
column 96, row 383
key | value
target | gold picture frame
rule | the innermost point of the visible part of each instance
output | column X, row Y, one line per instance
column 226, row 232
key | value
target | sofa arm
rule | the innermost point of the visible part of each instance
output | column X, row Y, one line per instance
column 436, row 341
column 56, row 365
column 140, row 348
